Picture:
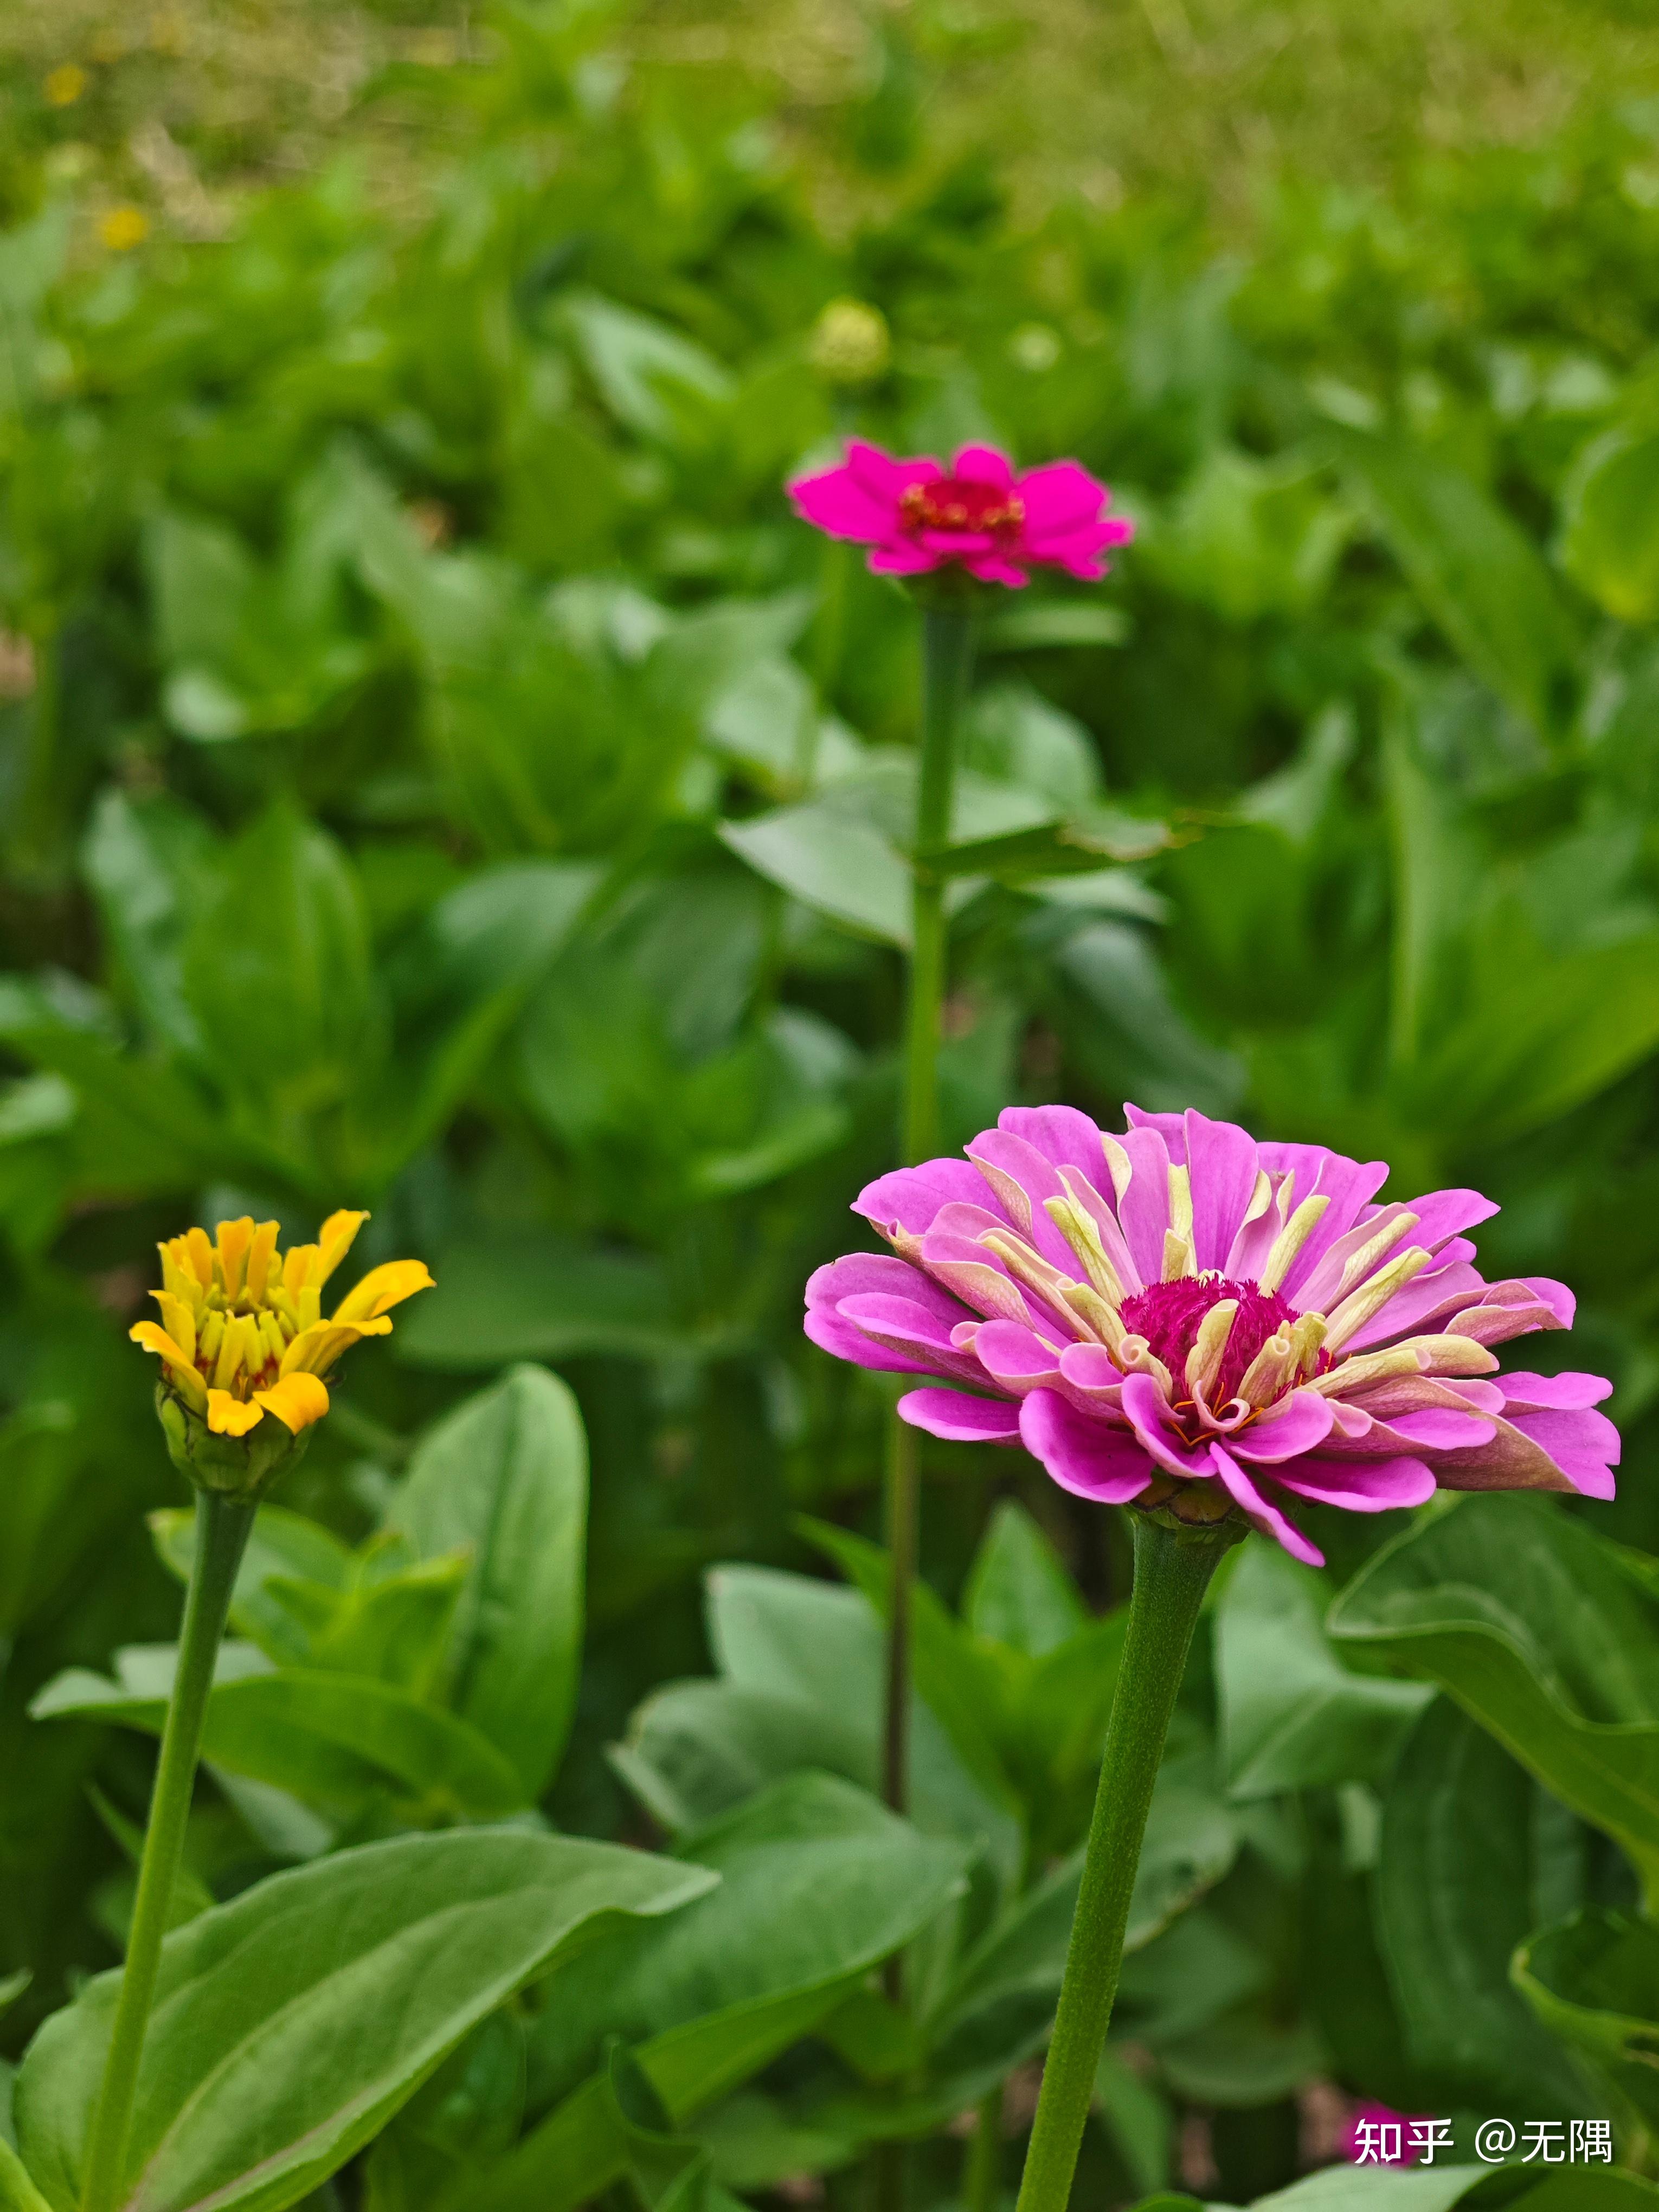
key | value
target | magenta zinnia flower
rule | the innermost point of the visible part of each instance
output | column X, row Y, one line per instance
column 978, row 514
column 1182, row 1317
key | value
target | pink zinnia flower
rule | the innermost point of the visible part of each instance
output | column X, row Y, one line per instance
column 1182, row 1317
column 980, row 515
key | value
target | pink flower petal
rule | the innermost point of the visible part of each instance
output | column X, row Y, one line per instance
column 1372, row 1486
column 909, row 1198
column 983, row 464
column 1568, row 1394
column 1017, row 1359
column 876, row 1274
column 842, row 1340
column 1260, row 1513
column 1303, row 1425
column 1062, row 1134
column 1083, row 1456
column 836, row 502
column 884, row 475
column 1348, row 1184
column 959, row 1419
column 1144, row 1207
column 1059, row 497
column 1148, row 1413
column 994, row 569
column 1584, row 1444
column 1221, row 1160
column 910, row 559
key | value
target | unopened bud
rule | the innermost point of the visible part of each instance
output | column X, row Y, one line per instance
column 850, row 343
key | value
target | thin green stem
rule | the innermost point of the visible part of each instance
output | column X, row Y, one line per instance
column 222, row 1531
column 1173, row 1566
column 981, row 2180
column 947, row 658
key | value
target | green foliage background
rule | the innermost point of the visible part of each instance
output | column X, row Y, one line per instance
column 437, row 774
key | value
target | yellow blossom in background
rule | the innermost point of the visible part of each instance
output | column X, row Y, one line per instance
column 242, row 1332
column 65, row 84
column 122, row 227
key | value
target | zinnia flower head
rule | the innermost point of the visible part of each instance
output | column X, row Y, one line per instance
column 1182, row 1318
column 979, row 516
column 243, row 1342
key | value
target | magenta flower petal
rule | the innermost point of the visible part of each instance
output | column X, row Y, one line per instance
column 1017, row 1359
column 884, row 475
column 1061, row 497
column 1090, row 1462
column 960, row 1420
column 983, row 464
column 837, row 503
column 903, row 560
column 1372, row 1486
column 1260, row 1513
column 1144, row 1208
column 1221, row 1161
column 1570, row 1393
column 1149, row 1413
column 842, row 1340
column 1300, row 1425
column 909, row 1198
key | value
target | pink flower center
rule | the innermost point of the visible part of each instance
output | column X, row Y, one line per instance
column 953, row 503
column 1170, row 1315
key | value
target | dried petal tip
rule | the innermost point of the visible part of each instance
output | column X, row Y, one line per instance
column 243, row 1348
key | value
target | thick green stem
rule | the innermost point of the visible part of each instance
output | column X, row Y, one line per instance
column 222, row 1531
column 982, row 2181
column 1173, row 1566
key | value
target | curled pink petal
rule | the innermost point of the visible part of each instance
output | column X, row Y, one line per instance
column 1089, row 1460
column 1372, row 1486
column 1261, row 1513
column 953, row 1415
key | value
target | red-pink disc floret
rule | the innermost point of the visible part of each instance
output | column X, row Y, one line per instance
column 1170, row 1315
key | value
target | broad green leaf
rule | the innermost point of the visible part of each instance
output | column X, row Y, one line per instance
column 1292, row 1717
column 536, row 1297
column 1593, row 1981
column 1517, row 1609
column 1376, row 2189
column 142, row 858
column 818, row 1883
column 1076, row 845
column 280, row 1543
column 17, row 2192
column 504, row 1478
column 291, row 2023
column 1019, row 1594
column 1610, row 543
column 1478, row 574
column 341, row 1743
column 831, row 862
column 391, row 1623
column 653, row 380
column 1459, row 1884
column 803, row 1668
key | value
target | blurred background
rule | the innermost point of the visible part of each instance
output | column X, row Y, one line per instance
column 437, row 774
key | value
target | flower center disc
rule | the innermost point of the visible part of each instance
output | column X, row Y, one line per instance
column 953, row 503
column 1170, row 1315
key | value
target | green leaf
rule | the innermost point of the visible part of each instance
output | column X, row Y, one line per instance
column 1610, row 540
column 1055, row 623
column 1019, row 1594
column 291, row 2023
column 1376, row 2189
column 1074, row 846
column 1478, row 574
column 818, row 1883
column 832, row 862
column 506, row 1297
column 281, row 1543
column 1457, row 1888
column 505, row 1478
column 17, row 2192
column 1292, row 1717
column 341, row 1743
column 1593, row 1980
column 1518, row 1611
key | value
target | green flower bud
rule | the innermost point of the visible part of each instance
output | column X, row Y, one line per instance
column 235, row 1467
column 850, row 344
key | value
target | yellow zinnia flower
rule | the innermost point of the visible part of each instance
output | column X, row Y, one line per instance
column 242, row 1332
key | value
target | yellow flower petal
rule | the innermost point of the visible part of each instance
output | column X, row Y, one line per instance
column 234, row 1350
column 179, row 1320
column 229, row 1417
column 200, row 1253
column 315, row 1350
column 260, row 1255
column 336, row 1238
column 383, row 1287
column 234, row 1238
column 297, row 1401
column 155, row 1338
column 300, row 1267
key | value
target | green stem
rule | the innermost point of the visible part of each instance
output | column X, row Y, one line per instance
column 981, row 2182
column 222, row 1531
column 1173, row 1566
column 947, row 658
